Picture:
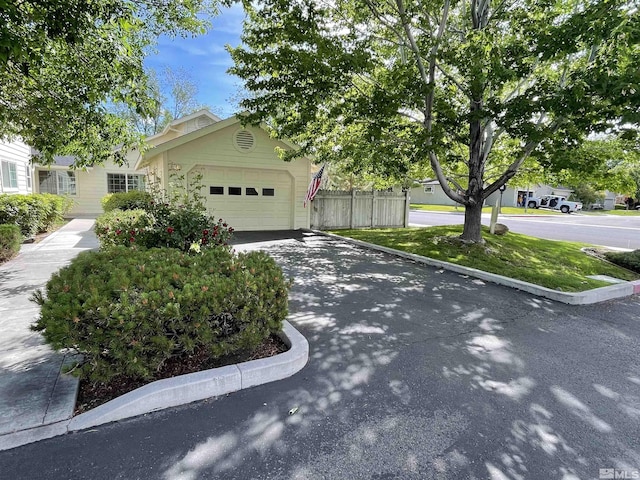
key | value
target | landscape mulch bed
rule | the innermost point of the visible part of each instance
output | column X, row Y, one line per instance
column 91, row 395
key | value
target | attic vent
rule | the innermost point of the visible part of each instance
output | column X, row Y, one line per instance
column 244, row 140
column 203, row 121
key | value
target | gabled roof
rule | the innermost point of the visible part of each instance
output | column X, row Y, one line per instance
column 182, row 139
column 181, row 120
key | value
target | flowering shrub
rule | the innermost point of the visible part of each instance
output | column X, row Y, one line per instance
column 127, row 311
column 176, row 220
column 161, row 227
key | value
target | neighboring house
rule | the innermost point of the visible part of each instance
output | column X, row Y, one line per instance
column 430, row 192
column 86, row 187
column 16, row 173
column 244, row 181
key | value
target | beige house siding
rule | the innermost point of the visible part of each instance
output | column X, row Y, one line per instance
column 18, row 154
column 91, row 186
column 437, row 197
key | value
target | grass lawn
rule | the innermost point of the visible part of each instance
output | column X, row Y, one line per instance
column 623, row 213
column 505, row 210
column 557, row 265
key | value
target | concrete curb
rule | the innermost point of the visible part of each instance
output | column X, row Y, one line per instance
column 179, row 390
column 587, row 297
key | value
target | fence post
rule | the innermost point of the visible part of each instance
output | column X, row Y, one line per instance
column 373, row 208
column 407, row 203
column 352, row 221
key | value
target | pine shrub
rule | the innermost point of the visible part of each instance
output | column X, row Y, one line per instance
column 127, row 311
column 629, row 260
column 10, row 239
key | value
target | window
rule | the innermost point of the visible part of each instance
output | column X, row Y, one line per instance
column 268, row 192
column 9, row 175
column 251, row 191
column 57, row 182
column 216, row 190
column 124, row 182
column 27, row 173
column 235, row 191
column 428, row 189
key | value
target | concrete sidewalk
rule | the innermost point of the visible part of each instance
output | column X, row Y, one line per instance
column 32, row 391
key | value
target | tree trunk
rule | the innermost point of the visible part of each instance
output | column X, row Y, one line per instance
column 473, row 223
column 473, row 210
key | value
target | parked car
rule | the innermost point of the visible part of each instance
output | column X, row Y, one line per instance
column 555, row 202
column 596, row 206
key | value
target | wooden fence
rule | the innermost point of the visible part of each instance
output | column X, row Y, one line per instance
column 352, row 209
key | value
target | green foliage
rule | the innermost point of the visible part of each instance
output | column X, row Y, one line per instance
column 177, row 219
column 629, row 260
column 586, row 194
column 467, row 90
column 33, row 213
column 131, row 200
column 127, row 311
column 10, row 239
column 552, row 264
column 62, row 62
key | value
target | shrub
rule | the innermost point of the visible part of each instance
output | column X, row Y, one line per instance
column 629, row 260
column 10, row 239
column 133, row 200
column 33, row 213
column 127, row 311
column 161, row 226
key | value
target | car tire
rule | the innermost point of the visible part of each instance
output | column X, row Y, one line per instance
column 532, row 205
column 564, row 209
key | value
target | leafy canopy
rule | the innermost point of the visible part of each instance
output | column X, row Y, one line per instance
column 63, row 61
column 452, row 84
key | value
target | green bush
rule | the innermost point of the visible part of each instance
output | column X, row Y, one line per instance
column 162, row 226
column 133, row 200
column 629, row 260
column 127, row 311
column 33, row 213
column 10, row 239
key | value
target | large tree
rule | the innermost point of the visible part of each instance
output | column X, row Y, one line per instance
column 442, row 82
column 62, row 62
column 172, row 93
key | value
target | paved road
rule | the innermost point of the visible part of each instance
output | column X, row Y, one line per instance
column 413, row 374
column 611, row 230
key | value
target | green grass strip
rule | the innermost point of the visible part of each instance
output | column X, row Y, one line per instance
column 553, row 264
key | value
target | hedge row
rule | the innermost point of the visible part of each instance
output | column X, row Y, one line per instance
column 33, row 213
column 127, row 311
column 10, row 240
column 135, row 199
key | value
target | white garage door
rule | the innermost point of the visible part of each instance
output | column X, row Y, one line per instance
column 250, row 198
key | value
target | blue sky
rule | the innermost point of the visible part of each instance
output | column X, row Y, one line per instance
column 206, row 60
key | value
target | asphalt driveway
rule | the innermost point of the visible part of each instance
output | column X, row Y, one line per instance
column 413, row 373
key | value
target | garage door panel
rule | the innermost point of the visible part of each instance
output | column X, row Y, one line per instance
column 251, row 212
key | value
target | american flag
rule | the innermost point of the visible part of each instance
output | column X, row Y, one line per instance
column 314, row 186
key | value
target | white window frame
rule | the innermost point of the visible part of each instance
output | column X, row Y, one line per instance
column 65, row 184
column 28, row 173
column 9, row 164
column 127, row 181
column 428, row 189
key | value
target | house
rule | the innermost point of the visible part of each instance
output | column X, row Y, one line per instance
column 16, row 173
column 243, row 179
column 86, row 187
column 430, row 192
